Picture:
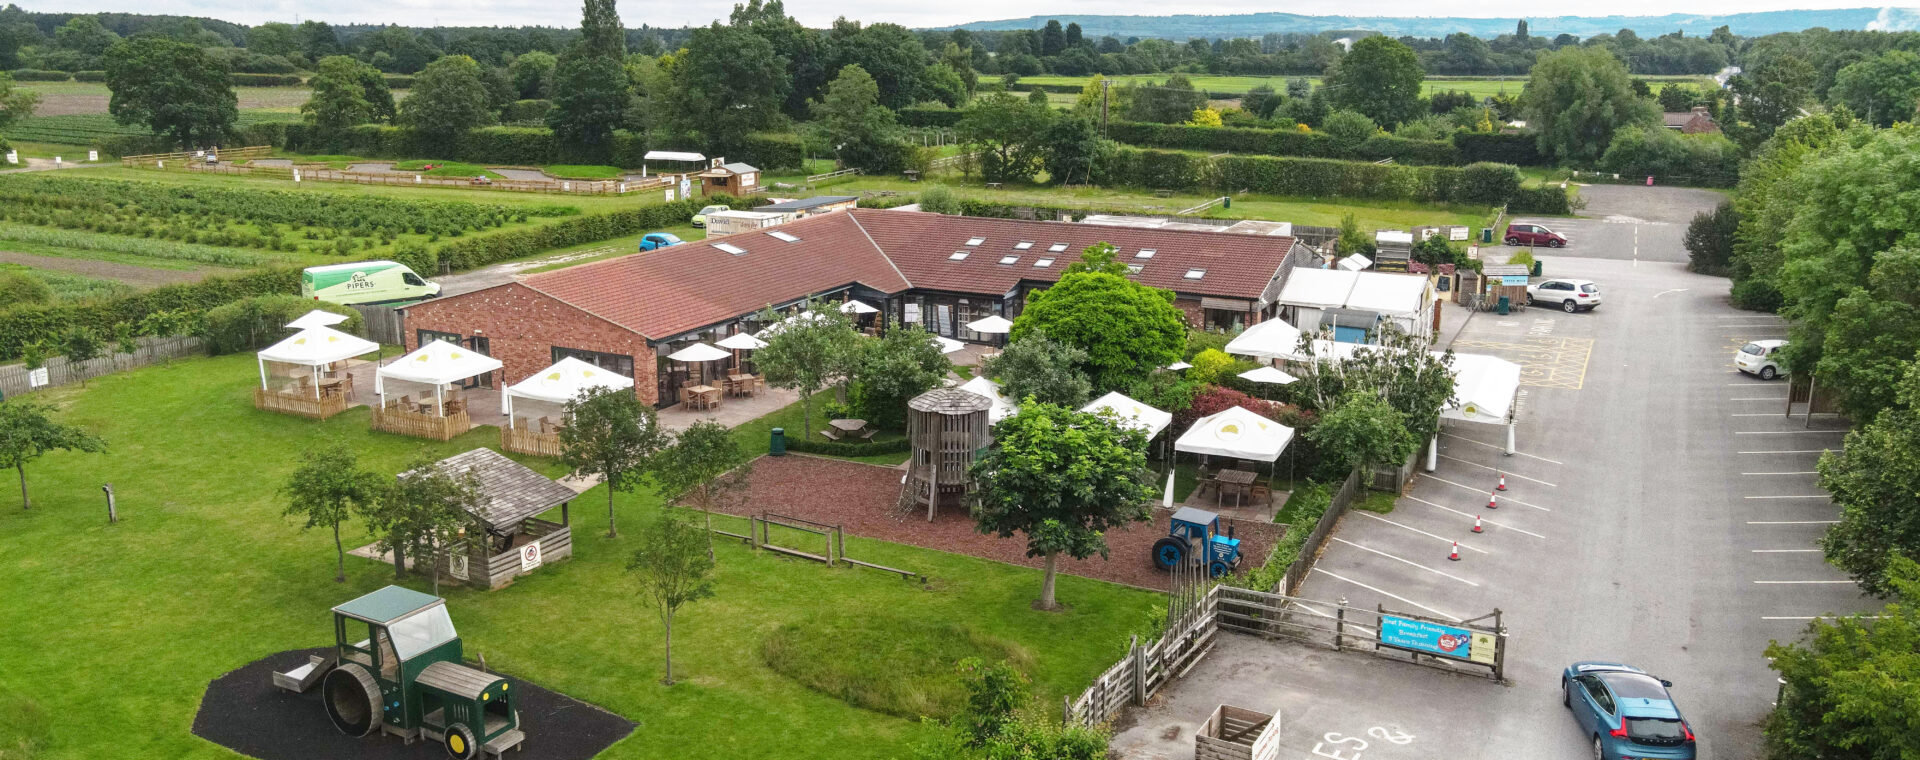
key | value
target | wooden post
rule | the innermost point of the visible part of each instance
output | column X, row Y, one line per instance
column 1066, row 709
column 1340, row 625
column 840, row 540
column 1499, row 648
column 1139, row 670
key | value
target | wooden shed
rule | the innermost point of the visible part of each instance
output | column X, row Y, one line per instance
column 736, row 178
column 1508, row 280
column 508, row 538
column 946, row 428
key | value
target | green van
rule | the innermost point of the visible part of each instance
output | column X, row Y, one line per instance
column 364, row 282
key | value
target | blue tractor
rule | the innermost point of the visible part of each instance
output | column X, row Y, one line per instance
column 1220, row 555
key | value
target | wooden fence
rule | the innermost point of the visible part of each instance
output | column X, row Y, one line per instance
column 759, row 537
column 1303, row 562
column 1191, row 624
column 16, row 379
column 432, row 426
column 152, row 159
column 300, row 404
column 384, row 323
column 533, row 442
column 556, row 543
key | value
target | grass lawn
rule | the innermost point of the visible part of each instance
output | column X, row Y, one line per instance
column 580, row 171
column 1480, row 86
column 445, row 169
column 754, row 436
column 125, row 624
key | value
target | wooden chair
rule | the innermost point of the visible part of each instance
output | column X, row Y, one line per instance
column 1261, row 493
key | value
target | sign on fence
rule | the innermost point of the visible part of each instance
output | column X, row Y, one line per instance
column 1513, row 279
column 37, row 378
column 530, row 557
column 93, row 155
column 1439, row 640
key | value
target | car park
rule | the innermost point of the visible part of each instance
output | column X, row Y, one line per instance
column 1534, row 234
column 1571, row 295
column 1625, row 713
column 700, row 219
column 657, row 240
column 1761, row 358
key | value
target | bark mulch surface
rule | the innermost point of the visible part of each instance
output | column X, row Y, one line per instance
column 242, row 711
column 863, row 499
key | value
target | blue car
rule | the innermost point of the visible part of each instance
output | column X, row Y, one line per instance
column 1627, row 713
column 656, row 240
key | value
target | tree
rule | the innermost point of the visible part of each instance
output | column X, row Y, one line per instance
column 172, row 88
column 1039, row 368
column 1400, row 370
column 1850, row 685
column 1883, row 89
column 272, row 38
column 1262, row 101
column 373, row 85
column 611, row 434
column 1709, row 239
column 672, row 566
column 18, row 288
column 1006, row 130
column 1875, row 481
column 532, row 74
column 28, row 430
column 1575, row 98
column 889, row 372
column 1070, row 147
column 1772, row 93
column 125, row 340
column 1379, row 77
column 85, row 35
column 339, row 98
column 805, row 50
column 328, row 487
column 1053, row 39
column 860, row 130
column 1348, row 128
column 1204, row 117
column 726, row 84
column 317, row 40
column 1127, row 329
column 704, row 468
column 448, row 98
column 601, row 34
column 807, row 352
column 427, row 507
column 590, row 99
column 15, row 104
column 81, row 344
column 1363, row 430
column 1169, row 102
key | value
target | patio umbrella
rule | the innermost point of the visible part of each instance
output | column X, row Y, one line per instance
column 1268, row 375
column 1168, row 500
column 317, row 318
column 948, row 345
column 991, row 325
column 698, row 353
column 857, row 307
column 740, row 342
column 1177, row 366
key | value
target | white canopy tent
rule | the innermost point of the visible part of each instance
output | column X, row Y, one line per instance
column 438, row 363
column 857, row 307
column 1271, row 339
column 1132, row 413
column 1002, row 408
column 1236, row 433
column 1406, row 299
column 1395, row 295
column 314, row 347
column 317, row 318
column 1270, row 375
column 560, row 383
column 992, row 324
column 1177, row 366
column 948, row 345
column 1484, row 389
column 1318, row 288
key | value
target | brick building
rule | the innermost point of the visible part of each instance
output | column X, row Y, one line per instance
column 625, row 314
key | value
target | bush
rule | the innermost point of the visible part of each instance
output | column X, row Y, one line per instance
column 398, row 82
column 1549, row 199
column 89, row 76
column 20, row 326
column 242, row 79
column 254, row 323
column 526, row 111
column 939, row 199
column 1283, row 142
column 1311, row 177
column 523, row 146
column 1710, row 240
column 22, row 289
column 805, row 445
column 1517, row 149
column 1757, row 295
column 1709, row 160
column 40, row 75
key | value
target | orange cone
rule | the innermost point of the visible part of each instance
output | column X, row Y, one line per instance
column 1503, row 484
column 1455, row 556
column 1476, row 525
column 1493, row 501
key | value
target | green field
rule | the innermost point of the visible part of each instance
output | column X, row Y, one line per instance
column 91, row 128
column 123, row 625
column 69, row 287
column 1480, row 86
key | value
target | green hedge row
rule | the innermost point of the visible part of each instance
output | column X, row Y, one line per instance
column 928, row 117
column 526, row 111
column 45, row 322
column 1479, row 184
column 522, row 146
column 478, row 251
column 1550, row 199
column 1519, row 149
column 265, row 80
column 399, row 82
column 39, row 75
column 89, row 76
column 847, row 448
column 1283, row 142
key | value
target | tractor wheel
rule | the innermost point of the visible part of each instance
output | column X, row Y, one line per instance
column 352, row 700
column 460, row 744
column 1168, row 552
column 1216, row 569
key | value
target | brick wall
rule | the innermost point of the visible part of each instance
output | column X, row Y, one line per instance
column 522, row 325
column 1192, row 309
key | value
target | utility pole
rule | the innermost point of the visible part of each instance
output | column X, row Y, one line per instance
column 1105, row 86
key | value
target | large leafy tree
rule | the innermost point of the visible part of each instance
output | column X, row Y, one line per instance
column 339, row 98
column 705, row 469
column 1773, row 92
column 727, row 84
column 1400, row 370
column 1709, row 239
column 532, row 74
column 327, row 488
column 1852, row 685
column 172, row 88
column 808, row 352
column 427, row 509
column 1576, row 98
column 1169, row 102
column 611, row 434
column 272, row 38
column 1126, row 329
column 860, row 131
column 1363, row 430
column 889, row 52
column 1062, row 479
column 1765, row 201
column 15, row 103
column 600, row 31
column 590, row 85
column 1379, row 77
column 805, row 50
column 672, row 567
column 1043, row 369
column 28, row 430
column 1875, row 480
column 1883, row 89
column 448, row 98
column 1070, row 146
column 890, row 371
column 1007, row 131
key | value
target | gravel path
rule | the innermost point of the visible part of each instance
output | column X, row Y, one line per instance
column 862, row 497
column 138, row 276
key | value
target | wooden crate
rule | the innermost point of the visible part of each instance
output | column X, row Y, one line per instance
column 1236, row 733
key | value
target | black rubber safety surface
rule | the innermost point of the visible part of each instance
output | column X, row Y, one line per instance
column 242, row 711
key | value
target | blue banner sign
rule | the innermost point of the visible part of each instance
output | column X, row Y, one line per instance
column 1430, row 638
column 1513, row 279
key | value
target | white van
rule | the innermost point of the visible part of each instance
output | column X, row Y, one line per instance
column 365, row 282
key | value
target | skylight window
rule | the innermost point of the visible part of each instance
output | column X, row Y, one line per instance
column 1023, row 245
column 730, row 248
column 957, row 256
column 973, row 241
column 1195, row 274
column 1145, row 253
column 783, row 237
column 1009, row 259
column 1043, row 263
column 1056, row 247
column 1134, row 268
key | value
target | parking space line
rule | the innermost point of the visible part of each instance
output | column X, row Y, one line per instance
column 1501, row 448
column 1783, row 551
column 1793, row 496
column 1503, row 472
column 1790, row 451
column 1416, row 530
column 1801, row 472
column 1495, row 523
column 1454, row 618
column 1760, row 414
column 1440, row 573
column 1487, row 490
column 1801, row 583
column 1775, row 399
column 1358, row 626
column 1790, row 432
column 1816, row 617
column 1793, row 522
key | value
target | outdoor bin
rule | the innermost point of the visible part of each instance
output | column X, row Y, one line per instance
column 1536, row 268
column 1505, row 305
column 778, row 445
column 1486, row 234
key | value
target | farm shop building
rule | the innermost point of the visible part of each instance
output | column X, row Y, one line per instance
column 627, row 314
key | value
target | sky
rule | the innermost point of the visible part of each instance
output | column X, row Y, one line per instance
column 674, row 13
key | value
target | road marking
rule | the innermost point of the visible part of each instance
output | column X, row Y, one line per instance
column 1819, row 617
column 1636, row 248
column 1783, row 551
column 1416, row 530
column 1808, row 472
column 1793, row 522
column 1759, row 398
column 1395, row 596
column 1495, row 523
column 1800, row 583
column 1790, row 432
column 1664, row 292
column 1487, row 490
column 1507, row 473
column 1790, row 451
column 1760, row 414
column 1367, row 628
column 1502, row 448
column 1793, row 496
column 1441, row 573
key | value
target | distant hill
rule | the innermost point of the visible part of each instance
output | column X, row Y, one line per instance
column 1256, row 24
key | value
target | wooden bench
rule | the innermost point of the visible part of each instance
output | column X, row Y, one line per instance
column 830, row 434
column 867, row 435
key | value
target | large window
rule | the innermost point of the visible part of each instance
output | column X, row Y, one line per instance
column 427, row 336
column 620, row 363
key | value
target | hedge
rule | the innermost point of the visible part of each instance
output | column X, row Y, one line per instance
column 1550, row 199
column 522, row 146
column 256, row 322
column 1519, row 149
column 528, row 111
column 89, row 76
column 1283, row 142
column 478, row 251
column 40, row 75
column 1479, row 184
column 265, row 80
column 398, row 82
column 46, row 322
column 928, row 117
column 804, row 445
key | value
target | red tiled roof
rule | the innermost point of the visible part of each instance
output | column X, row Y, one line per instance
column 671, row 290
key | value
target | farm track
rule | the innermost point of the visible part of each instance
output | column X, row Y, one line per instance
column 137, row 276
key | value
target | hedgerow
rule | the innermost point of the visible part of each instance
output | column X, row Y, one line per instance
column 46, row 322
column 1479, row 184
column 1284, row 142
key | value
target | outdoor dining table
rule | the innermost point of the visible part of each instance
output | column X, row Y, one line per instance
column 703, row 396
column 1241, row 481
column 849, row 426
column 741, row 384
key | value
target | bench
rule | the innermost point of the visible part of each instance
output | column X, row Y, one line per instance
column 867, row 435
column 830, row 434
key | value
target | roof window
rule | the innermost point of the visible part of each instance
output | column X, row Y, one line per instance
column 1134, row 268
column 957, row 256
column 973, row 241
column 1056, row 247
column 1145, row 253
column 730, row 248
column 1043, row 263
column 1009, row 259
column 1195, row 274
column 1023, row 245
column 783, row 237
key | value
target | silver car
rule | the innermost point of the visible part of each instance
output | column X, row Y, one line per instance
column 1570, row 295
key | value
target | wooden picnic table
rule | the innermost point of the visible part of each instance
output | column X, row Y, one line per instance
column 849, row 425
column 1241, row 481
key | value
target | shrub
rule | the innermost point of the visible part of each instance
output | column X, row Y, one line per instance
column 1519, row 149
column 260, row 321
column 44, row 323
column 847, row 448
column 398, row 82
column 40, row 75
column 89, row 76
column 527, row 111
column 1710, row 240
column 1307, row 177
column 939, row 199
column 1548, row 199
column 19, row 288
column 1283, row 142
column 243, row 79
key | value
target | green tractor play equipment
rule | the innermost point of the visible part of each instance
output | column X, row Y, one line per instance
column 397, row 670
column 1220, row 554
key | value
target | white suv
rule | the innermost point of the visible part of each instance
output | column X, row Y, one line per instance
column 1761, row 357
column 1572, row 295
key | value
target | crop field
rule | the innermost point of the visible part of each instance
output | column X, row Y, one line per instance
column 67, row 98
column 65, row 286
column 90, row 128
column 1479, row 86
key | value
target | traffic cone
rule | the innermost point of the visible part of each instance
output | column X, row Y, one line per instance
column 1503, row 483
column 1493, row 501
column 1476, row 525
column 1455, row 555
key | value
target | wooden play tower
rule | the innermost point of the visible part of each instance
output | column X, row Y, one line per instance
column 946, row 427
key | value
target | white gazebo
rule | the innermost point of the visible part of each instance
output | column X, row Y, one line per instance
column 1002, row 408
column 1271, row 339
column 1484, row 389
column 438, row 364
column 1132, row 413
column 857, row 308
column 317, row 318
column 553, row 386
column 312, row 394
column 1237, row 433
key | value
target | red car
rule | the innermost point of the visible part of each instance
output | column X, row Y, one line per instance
column 1534, row 234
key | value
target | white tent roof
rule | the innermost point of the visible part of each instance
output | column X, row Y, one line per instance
column 991, row 324
column 1179, row 366
column 1132, row 413
column 317, row 318
column 948, row 345
column 1271, row 339
column 1318, row 288
column 564, row 381
column 672, row 155
column 1483, row 388
column 857, row 307
column 1002, row 408
column 698, row 352
column 1268, row 375
column 1400, row 295
column 1236, row 433
column 437, row 363
column 318, row 345
column 741, row 341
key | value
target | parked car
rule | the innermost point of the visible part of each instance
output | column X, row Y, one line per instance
column 1761, row 357
column 1534, row 234
column 655, row 240
column 365, row 282
column 1625, row 712
column 700, row 219
column 1571, row 295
